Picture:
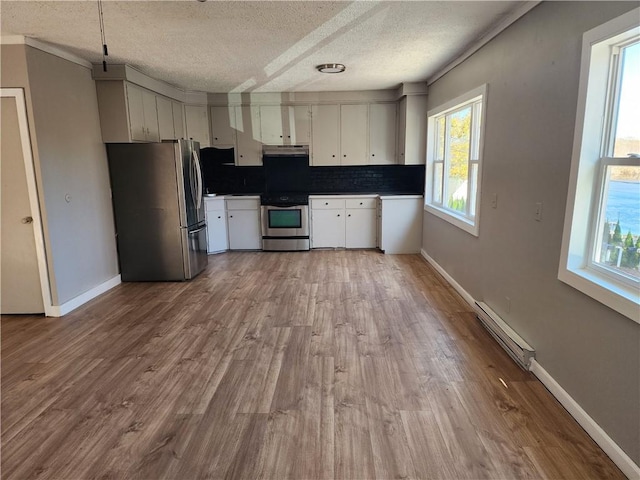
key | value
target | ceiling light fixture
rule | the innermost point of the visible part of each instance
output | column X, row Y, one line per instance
column 331, row 68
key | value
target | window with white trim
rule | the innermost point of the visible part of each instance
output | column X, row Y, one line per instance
column 601, row 241
column 454, row 153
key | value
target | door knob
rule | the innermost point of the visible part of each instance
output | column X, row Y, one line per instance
column 26, row 220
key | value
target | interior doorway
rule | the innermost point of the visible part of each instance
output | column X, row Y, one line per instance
column 24, row 280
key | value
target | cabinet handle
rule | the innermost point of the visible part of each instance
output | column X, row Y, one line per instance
column 241, row 156
column 280, row 136
column 344, row 155
column 360, row 203
column 230, row 216
column 333, row 156
column 288, row 136
column 373, row 154
column 349, row 215
column 326, row 203
column 219, row 216
column 338, row 214
column 215, row 138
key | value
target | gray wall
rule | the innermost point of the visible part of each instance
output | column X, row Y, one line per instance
column 532, row 72
column 70, row 158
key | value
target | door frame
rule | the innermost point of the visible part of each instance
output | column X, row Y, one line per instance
column 32, row 188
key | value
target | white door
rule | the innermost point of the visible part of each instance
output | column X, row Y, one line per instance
column 244, row 230
column 382, row 133
column 150, row 116
column 327, row 228
column 325, row 131
column 272, row 122
column 178, row 119
column 165, row 119
column 361, row 228
column 21, row 288
column 223, row 120
column 249, row 146
column 354, row 134
column 136, row 113
column 299, row 125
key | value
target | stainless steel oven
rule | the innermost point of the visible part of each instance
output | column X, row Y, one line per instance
column 285, row 228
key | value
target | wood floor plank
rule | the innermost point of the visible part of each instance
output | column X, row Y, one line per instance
column 302, row 366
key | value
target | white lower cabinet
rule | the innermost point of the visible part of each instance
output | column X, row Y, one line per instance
column 343, row 222
column 400, row 227
column 243, row 222
column 216, row 217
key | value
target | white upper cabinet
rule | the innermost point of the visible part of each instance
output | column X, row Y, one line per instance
column 165, row 118
column 143, row 114
column 412, row 130
column 325, row 132
column 178, row 119
column 197, row 122
column 284, row 125
column 223, row 121
column 382, row 133
column 248, row 144
column 354, row 134
column 129, row 113
column 402, row 131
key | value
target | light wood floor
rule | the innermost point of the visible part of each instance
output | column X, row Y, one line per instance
column 332, row 364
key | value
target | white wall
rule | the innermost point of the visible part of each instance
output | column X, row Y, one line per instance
column 532, row 72
column 70, row 159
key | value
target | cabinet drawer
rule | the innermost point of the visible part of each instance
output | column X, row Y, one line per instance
column 361, row 202
column 243, row 204
column 327, row 203
column 214, row 204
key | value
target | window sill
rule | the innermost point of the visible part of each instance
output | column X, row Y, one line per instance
column 621, row 298
column 457, row 220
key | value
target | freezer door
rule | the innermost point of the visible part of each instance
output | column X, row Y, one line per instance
column 194, row 244
column 190, row 177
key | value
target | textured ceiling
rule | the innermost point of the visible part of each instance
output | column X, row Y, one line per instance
column 265, row 46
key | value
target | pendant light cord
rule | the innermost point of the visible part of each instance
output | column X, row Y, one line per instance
column 105, row 51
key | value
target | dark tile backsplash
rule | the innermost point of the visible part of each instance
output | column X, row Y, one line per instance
column 221, row 177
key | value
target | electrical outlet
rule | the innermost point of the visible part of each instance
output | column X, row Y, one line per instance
column 494, row 200
column 538, row 214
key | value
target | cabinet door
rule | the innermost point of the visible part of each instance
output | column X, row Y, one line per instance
column 327, row 228
column 299, row 132
column 382, row 133
column 136, row 113
column 402, row 129
column 150, row 116
column 244, row 230
column 165, row 118
column 353, row 134
column 217, row 231
column 178, row 119
column 223, row 120
column 325, row 131
column 273, row 119
column 360, row 229
column 249, row 146
column 197, row 122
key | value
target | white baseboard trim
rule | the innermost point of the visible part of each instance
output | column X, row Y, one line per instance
column 604, row 441
column 457, row 287
column 615, row 453
column 60, row 310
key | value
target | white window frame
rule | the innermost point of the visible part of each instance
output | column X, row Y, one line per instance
column 469, row 223
column 591, row 150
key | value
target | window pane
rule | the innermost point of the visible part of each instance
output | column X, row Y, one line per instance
column 437, row 182
column 627, row 134
column 619, row 233
column 458, row 155
column 473, row 178
column 475, row 138
column 440, row 132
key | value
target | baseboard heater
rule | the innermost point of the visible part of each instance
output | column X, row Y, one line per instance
column 514, row 344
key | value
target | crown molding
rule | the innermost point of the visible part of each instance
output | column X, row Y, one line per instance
column 44, row 47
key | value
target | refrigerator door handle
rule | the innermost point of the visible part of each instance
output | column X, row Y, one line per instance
column 199, row 191
column 191, row 232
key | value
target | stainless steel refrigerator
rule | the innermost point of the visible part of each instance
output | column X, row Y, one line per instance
column 159, row 209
